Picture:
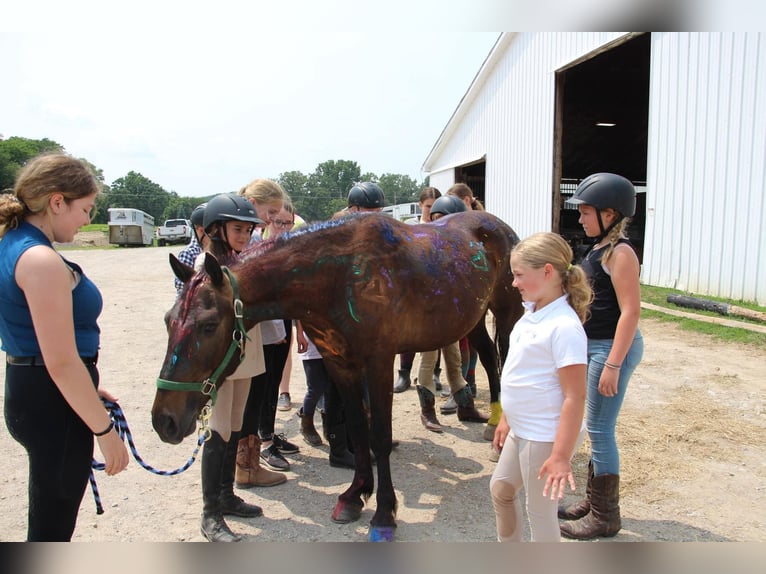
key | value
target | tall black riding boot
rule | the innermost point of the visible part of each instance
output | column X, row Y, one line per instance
column 340, row 456
column 213, row 526
column 231, row 504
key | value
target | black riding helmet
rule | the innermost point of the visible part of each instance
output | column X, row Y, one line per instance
column 197, row 216
column 447, row 204
column 228, row 207
column 607, row 190
column 366, row 195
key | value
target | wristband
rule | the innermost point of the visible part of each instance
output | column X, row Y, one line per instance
column 107, row 430
column 611, row 366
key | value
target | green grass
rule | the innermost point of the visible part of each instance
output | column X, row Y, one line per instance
column 658, row 296
column 96, row 227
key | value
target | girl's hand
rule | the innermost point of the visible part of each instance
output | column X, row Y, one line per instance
column 559, row 472
column 608, row 382
column 115, row 452
column 501, row 433
column 104, row 394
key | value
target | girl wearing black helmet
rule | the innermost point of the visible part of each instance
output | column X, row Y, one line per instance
column 228, row 220
column 615, row 346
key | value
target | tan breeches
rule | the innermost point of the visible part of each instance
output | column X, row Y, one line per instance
column 452, row 362
column 229, row 409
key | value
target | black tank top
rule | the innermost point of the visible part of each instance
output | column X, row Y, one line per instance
column 604, row 311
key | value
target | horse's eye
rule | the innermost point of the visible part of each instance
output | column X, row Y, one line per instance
column 209, row 328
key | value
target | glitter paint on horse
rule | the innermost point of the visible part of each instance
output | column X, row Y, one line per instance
column 365, row 288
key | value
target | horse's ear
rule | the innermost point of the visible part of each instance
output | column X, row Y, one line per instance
column 182, row 271
column 213, row 269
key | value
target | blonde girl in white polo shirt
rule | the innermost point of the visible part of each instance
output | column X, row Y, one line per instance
column 542, row 389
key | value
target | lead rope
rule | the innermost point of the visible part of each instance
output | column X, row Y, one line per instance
column 121, row 425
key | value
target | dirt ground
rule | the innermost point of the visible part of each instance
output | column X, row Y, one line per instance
column 691, row 433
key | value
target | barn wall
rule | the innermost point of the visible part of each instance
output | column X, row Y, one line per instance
column 707, row 148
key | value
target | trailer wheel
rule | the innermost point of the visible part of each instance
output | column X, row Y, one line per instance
column 161, row 242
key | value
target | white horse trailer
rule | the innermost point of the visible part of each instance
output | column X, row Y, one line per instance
column 403, row 211
column 129, row 226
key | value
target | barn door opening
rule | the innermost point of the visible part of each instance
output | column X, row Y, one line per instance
column 601, row 124
column 473, row 175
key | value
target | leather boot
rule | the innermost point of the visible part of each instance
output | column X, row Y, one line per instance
column 437, row 382
column 308, row 430
column 603, row 520
column 249, row 471
column 213, row 527
column 466, row 411
column 231, row 504
column 403, row 382
column 340, row 456
column 581, row 507
column 427, row 410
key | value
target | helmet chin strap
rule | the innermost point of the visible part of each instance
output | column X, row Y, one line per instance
column 604, row 232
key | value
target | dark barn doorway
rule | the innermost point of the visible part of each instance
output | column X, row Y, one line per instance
column 601, row 124
column 473, row 175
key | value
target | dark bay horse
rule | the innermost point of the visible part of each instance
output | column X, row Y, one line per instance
column 365, row 288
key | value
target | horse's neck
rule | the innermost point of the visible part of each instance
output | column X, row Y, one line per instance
column 286, row 283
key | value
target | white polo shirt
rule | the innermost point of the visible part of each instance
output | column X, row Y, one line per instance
column 541, row 343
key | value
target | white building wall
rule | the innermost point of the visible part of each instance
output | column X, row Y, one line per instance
column 706, row 180
column 707, row 150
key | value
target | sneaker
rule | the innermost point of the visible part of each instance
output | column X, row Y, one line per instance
column 283, row 402
column 285, row 446
column 271, row 457
column 449, row 407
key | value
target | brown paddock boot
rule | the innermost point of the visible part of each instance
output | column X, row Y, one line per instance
column 308, row 430
column 603, row 520
column 466, row 411
column 428, row 410
column 249, row 471
column 581, row 507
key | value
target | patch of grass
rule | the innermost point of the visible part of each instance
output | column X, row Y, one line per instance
column 658, row 296
column 96, row 227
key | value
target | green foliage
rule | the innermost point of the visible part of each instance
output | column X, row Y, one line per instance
column 16, row 151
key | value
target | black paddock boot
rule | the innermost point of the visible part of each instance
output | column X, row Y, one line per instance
column 403, row 382
column 231, row 504
column 428, row 410
column 581, row 507
column 213, row 526
column 466, row 411
column 340, row 456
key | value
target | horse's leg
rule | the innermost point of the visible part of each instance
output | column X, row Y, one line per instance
column 379, row 381
column 349, row 399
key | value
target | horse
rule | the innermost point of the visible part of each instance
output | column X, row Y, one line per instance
column 366, row 288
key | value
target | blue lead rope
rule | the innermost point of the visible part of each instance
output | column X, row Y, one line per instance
column 121, row 425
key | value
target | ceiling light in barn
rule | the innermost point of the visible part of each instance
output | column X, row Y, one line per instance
column 605, row 125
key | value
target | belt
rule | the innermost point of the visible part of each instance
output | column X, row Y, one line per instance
column 37, row 360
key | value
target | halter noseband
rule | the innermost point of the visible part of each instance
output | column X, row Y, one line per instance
column 210, row 385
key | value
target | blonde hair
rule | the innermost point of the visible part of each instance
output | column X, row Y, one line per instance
column 462, row 191
column 615, row 234
column 264, row 191
column 550, row 248
column 40, row 178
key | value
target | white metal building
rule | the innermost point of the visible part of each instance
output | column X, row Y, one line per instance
column 682, row 115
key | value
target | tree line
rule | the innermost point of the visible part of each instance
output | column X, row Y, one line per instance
column 316, row 196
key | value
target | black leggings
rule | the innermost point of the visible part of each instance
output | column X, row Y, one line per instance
column 60, row 449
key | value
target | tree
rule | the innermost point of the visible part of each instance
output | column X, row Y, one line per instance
column 399, row 188
column 138, row 192
column 15, row 152
column 329, row 185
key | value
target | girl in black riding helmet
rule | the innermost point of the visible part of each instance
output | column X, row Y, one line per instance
column 229, row 219
column 615, row 346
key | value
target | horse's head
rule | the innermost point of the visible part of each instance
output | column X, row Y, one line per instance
column 200, row 353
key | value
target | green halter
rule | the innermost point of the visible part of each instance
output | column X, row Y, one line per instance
column 210, row 385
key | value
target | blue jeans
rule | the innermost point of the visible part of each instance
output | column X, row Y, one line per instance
column 601, row 411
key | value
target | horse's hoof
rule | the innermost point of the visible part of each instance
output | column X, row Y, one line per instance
column 489, row 432
column 382, row 533
column 346, row 512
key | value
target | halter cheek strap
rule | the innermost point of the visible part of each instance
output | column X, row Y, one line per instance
column 210, row 385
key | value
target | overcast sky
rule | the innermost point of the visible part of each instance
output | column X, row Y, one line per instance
column 203, row 102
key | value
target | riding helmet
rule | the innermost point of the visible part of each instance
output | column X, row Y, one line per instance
column 198, row 214
column 604, row 190
column 366, row 195
column 447, row 204
column 229, row 207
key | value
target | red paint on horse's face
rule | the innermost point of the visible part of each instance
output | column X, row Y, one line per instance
column 199, row 331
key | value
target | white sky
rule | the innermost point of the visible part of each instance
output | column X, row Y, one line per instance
column 203, row 101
